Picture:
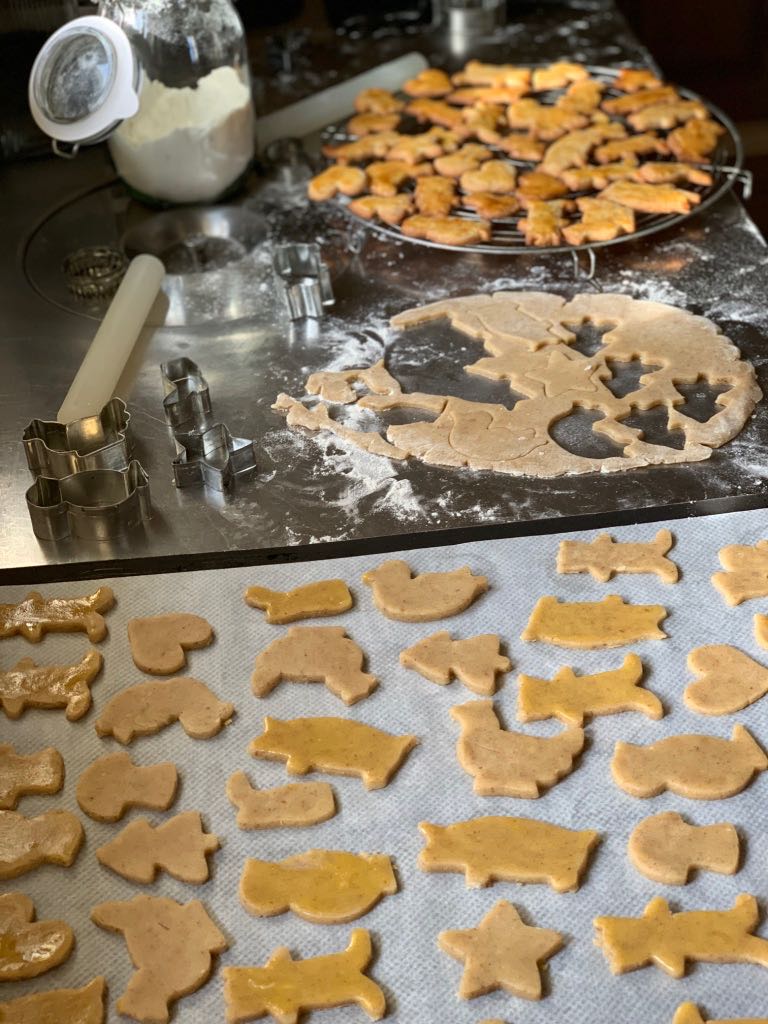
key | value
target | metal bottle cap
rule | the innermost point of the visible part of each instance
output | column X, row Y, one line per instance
column 83, row 82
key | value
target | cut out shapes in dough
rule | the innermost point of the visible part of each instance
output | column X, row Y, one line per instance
column 28, row 947
column 159, row 644
column 170, row 944
column 25, row 843
column 505, row 849
column 179, row 846
column 284, row 988
column 59, row 1006
column 297, row 804
column 611, row 622
column 28, row 685
column 25, row 774
column 339, row 746
column 113, row 784
column 322, row 886
column 604, row 557
column 425, row 597
column 36, row 615
column 501, row 953
column 698, row 767
column 688, row 1013
column 728, row 680
column 311, row 601
column 314, row 654
column 665, row 848
column 505, row 763
column 572, row 698
column 475, row 661
column 746, row 572
column 670, row 940
column 146, row 708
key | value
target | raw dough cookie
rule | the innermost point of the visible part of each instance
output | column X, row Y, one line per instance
column 603, row 557
column 339, row 746
column 311, row 601
column 21, row 774
column 298, row 803
column 761, row 629
column 611, row 622
column 146, row 708
column 37, row 615
column 113, row 784
column 171, row 946
column 284, row 988
column 28, row 685
column 699, row 767
column 59, row 1006
column 25, row 843
column 475, row 661
column 665, row 848
column 422, row 598
column 505, row 763
column 504, row 849
column 179, row 846
column 571, row 698
column 322, row 886
column 314, row 654
column 727, row 680
column 159, row 643
column 746, row 572
column 28, row 947
column 669, row 940
column 501, row 953
column 688, row 1013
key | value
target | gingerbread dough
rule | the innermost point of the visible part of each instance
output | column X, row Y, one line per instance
column 28, row 947
column 294, row 805
column 21, row 774
column 698, row 767
column 179, row 846
column 425, row 597
column 322, row 886
column 475, row 661
column 314, row 654
column 28, row 685
column 285, row 987
column 159, row 643
column 339, row 746
column 603, row 557
column 727, row 680
column 505, row 763
column 501, row 953
column 71, row 1005
column 670, row 940
column 505, row 849
column 313, row 600
column 688, row 1013
column 528, row 337
column 146, row 708
column 170, row 944
column 611, row 622
column 572, row 698
column 113, row 784
column 665, row 848
column 746, row 572
column 25, row 843
column 36, row 615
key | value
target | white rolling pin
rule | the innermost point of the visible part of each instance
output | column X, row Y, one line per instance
column 111, row 348
column 330, row 105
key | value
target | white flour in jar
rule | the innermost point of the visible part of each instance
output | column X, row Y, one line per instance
column 187, row 145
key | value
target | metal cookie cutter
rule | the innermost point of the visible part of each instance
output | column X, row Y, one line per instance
column 187, row 402
column 102, row 441
column 98, row 504
column 305, row 279
column 213, row 458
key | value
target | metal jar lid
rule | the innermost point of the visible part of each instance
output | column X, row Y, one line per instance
column 84, row 82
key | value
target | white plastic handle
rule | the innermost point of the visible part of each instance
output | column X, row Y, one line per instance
column 111, row 348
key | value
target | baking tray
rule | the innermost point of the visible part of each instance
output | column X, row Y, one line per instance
column 420, row 981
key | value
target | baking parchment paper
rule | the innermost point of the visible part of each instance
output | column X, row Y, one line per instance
column 420, row 981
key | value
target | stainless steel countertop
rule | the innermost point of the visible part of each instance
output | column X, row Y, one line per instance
column 310, row 495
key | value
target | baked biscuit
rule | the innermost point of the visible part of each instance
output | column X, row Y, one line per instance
column 635, row 79
column 468, row 158
column 583, row 97
column 694, row 141
column 632, row 102
column 386, row 176
column 351, row 181
column 493, row 176
column 651, row 198
column 435, row 196
column 477, row 73
column 667, row 115
column 601, row 220
column 490, row 206
column 637, row 145
column 427, row 146
column 429, row 82
column 369, row 147
column 521, row 147
column 447, row 230
column 436, row 112
column 544, row 222
column 580, row 179
column 573, row 149
column 483, row 121
column 377, row 101
column 369, row 124
column 544, row 122
column 472, row 94
column 389, row 209
column 558, row 75
column 663, row 173
column 539, row 185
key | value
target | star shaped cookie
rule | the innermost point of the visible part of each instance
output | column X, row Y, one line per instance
column 502, row 952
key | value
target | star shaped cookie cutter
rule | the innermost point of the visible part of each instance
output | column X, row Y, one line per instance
column 101, row 441
column 212, row 457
